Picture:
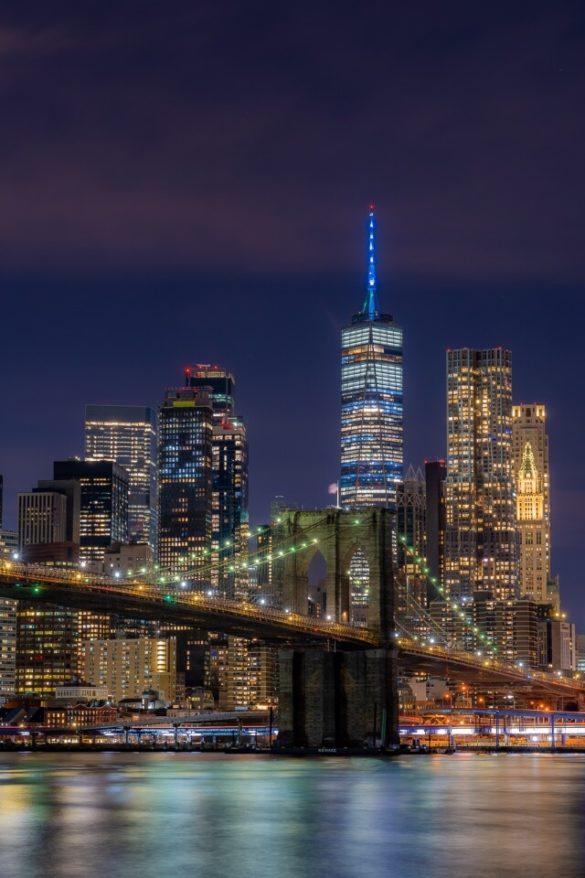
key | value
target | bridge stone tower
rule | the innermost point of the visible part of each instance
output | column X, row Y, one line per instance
column 339, row 698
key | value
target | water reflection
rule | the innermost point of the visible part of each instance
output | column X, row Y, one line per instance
column 190, row 814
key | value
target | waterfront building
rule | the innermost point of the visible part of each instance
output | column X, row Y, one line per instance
column 7, row 646
column 46, row 641
column 76, row 692
column 103, row 516
column 128, row 667
column 532, row 483
column 481, row 542
column 371, row 399
column 126, row 434
column 185, row 482
column 559, row 642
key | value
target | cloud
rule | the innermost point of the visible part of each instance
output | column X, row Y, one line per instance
column 188, row 137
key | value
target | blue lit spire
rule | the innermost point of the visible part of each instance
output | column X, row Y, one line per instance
column 371, row 308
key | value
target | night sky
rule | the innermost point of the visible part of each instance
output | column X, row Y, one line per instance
column 188, row 182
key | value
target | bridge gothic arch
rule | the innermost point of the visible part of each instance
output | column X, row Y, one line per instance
column 337, row 534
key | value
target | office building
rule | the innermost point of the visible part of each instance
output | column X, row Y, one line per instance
column 435, row 475
column 125, row 559
column 559, row 642
column 185, row 483
column 411, row 586
column 42, row 517
column 480, row 542
column 229, row 538
column 128, row 667
column 532, row 483
column 371, row 400
column 8, row 543
column 103, row 517
column 126, row 434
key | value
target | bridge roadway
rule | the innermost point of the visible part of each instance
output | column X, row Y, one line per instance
column 140, row 599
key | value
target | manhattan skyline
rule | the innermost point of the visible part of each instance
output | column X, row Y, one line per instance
column 479, row 233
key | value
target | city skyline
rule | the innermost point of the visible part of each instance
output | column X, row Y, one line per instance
column 313, row 490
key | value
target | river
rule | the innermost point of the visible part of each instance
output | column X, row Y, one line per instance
column 141, row 815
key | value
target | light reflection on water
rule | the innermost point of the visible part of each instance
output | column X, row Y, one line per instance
column 149, row 814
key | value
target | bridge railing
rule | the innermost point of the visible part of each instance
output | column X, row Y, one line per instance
column 487, row 663
column 195, row 599
column 155, row 593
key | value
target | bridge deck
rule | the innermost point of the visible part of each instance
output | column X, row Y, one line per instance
column 140, row 599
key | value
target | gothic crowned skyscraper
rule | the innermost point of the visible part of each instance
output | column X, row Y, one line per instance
column 371, row 399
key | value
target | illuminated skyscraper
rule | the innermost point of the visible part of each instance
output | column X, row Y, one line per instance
column 126, row 434
column 185, row 480
column 229, row 532
column 103, row 517
column 532, row 481
column 371, row 399
column 229, row 541
column 480, row 546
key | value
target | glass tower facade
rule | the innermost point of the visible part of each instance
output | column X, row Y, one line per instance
column 127, row 435
column 229, row 540
column 185, row 480
column 103, row 517
column 371, row 400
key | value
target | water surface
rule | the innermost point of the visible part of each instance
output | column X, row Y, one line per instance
column 166, row 814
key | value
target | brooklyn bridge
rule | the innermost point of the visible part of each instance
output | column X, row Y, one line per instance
column 338, row 680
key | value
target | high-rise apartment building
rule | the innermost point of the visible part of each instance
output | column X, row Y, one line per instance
column 481, row 543
column 46, row 653
column 7, row 646
column 371, row 400
column 103, row 516
column 126, row 434
column 128, row 667
column 185, row 481
column 532, row 482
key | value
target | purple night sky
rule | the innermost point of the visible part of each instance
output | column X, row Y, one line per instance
column 188, row 182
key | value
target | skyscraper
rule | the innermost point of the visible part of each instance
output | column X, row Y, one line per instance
column 126, row 434
column 103, row 517
column 532, row 482
column 411, row 524
column 435, row 475
column 185, row 480
column 371, row 399
column 229, row 538
column 480, row 549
